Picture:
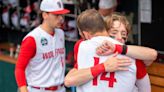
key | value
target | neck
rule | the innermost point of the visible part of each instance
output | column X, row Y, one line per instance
column 47, row 28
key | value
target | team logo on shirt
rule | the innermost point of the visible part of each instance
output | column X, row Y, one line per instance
column 44, row 41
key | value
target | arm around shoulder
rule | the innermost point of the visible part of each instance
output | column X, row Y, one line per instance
column 77, row 77
column 142, row 53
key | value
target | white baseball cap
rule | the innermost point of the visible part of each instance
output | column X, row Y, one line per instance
column 107, row 4
column 53, row 6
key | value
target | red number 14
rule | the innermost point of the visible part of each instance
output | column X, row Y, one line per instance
column 110, row 79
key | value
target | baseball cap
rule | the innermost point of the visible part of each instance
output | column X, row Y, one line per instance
column 107, row 4
column 53, row 6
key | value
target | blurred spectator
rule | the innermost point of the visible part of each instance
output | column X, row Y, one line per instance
column 106, row 7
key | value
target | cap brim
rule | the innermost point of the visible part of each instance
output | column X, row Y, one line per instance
column 64, row 11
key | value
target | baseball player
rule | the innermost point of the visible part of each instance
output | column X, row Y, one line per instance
column 91, row 73
column 41, row 63
column 119, row 28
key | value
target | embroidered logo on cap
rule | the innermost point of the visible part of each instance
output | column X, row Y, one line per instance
column 59, row 4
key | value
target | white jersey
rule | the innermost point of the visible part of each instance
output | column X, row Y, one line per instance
column 120, row 81
column 47, row 67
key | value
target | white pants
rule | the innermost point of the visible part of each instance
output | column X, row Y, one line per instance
column 31, row 89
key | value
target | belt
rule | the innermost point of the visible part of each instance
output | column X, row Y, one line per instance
column 52, row 88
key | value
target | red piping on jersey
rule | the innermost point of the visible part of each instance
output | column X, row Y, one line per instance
column 76, row 49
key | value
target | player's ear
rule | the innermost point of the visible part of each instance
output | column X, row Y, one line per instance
column 44, row 15
column 87, row 35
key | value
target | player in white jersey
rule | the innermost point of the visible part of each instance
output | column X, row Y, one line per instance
column 89, row 73
column 107, row 81
column 41, row 62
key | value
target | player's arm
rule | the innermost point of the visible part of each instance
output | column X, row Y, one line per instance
column 77, row 77
column 148, row 55
column 27, row 51
column 23, row 89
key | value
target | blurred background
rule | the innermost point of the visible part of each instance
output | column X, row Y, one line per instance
column 18, row 17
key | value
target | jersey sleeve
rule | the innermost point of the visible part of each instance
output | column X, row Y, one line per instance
column 76, row 47
column 141, row 69
column 27, row 51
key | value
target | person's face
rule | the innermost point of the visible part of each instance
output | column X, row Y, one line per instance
column 118, row 32
column 54, row 20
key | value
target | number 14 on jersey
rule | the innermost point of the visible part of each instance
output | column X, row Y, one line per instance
column 111, row 79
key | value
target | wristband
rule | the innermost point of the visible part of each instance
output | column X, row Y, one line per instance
column 124, row 50
column 96, row 70
column 121, row 49
column 118, row 48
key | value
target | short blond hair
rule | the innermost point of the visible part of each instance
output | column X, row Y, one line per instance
column 91, row 21
column 117, row 17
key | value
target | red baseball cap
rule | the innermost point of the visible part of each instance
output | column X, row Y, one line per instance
column 53, row 6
